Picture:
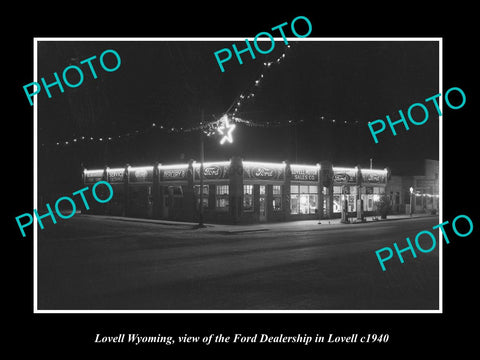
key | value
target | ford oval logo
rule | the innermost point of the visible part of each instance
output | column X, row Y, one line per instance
column 211, row 171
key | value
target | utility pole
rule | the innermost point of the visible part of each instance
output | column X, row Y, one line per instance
column 296, row 143
column 202, row 159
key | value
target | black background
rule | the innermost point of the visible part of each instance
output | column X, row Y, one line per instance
column 65, row 335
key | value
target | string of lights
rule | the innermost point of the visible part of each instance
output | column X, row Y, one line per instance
column 250, row 92
column 209, row 127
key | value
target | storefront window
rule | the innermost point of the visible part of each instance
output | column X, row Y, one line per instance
column 337, row 199
column 372, row 195
column 325, row 194
column 204, row 196
column 350, row 196
column 248, row 197
column 262, row 189
column 337, row 205
column 277, row 198
column 303, row 199
column 221, row 197
column 312, row 203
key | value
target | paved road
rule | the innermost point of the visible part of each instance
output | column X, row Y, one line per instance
column 89, row 262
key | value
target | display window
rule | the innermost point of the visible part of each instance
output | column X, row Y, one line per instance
column 303, row 199
column 221, row 197
column 338, row 197
column 277, row 198
column 247, row 197
column 371, row 197
column 342, row 193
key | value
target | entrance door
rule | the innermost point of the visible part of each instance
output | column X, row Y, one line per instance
column 263, row 203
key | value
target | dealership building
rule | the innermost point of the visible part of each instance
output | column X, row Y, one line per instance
column 239, row 191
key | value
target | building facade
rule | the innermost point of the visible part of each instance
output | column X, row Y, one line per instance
column 424, row 194
column 238, row 191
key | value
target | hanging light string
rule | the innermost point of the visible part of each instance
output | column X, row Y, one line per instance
column 250, row 92
column 210, row 127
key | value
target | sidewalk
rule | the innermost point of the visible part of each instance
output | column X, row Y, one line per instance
column 244, row 228
column 306, row 224
column 393, row 217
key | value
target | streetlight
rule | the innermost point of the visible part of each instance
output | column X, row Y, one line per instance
column 411, row 200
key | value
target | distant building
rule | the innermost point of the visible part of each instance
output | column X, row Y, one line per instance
column 425, row 195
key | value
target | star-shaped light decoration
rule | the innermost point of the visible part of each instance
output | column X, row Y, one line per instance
column 226, row 130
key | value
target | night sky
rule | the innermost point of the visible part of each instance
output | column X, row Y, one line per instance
column 170, row 83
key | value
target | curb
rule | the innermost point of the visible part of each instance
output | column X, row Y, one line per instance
column 150, row 221
column 194, row 226
column 393, row 219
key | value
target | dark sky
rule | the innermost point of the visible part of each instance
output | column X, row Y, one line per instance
column 169, row 83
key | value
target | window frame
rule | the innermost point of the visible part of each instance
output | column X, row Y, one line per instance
column 247, row 195
column 222, row 196
column 277, row 196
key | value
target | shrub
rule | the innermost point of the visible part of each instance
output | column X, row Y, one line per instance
column 383, row 206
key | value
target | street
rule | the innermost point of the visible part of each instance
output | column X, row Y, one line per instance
column 100, row 263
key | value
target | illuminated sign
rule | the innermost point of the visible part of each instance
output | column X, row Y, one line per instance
column 212, row 171
column 141, row 175
column 115, row 175
column 92, row 176
column 374, row 177
column 344, row 176
column 173, row 173
column 263, row 171
column 304, row 173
